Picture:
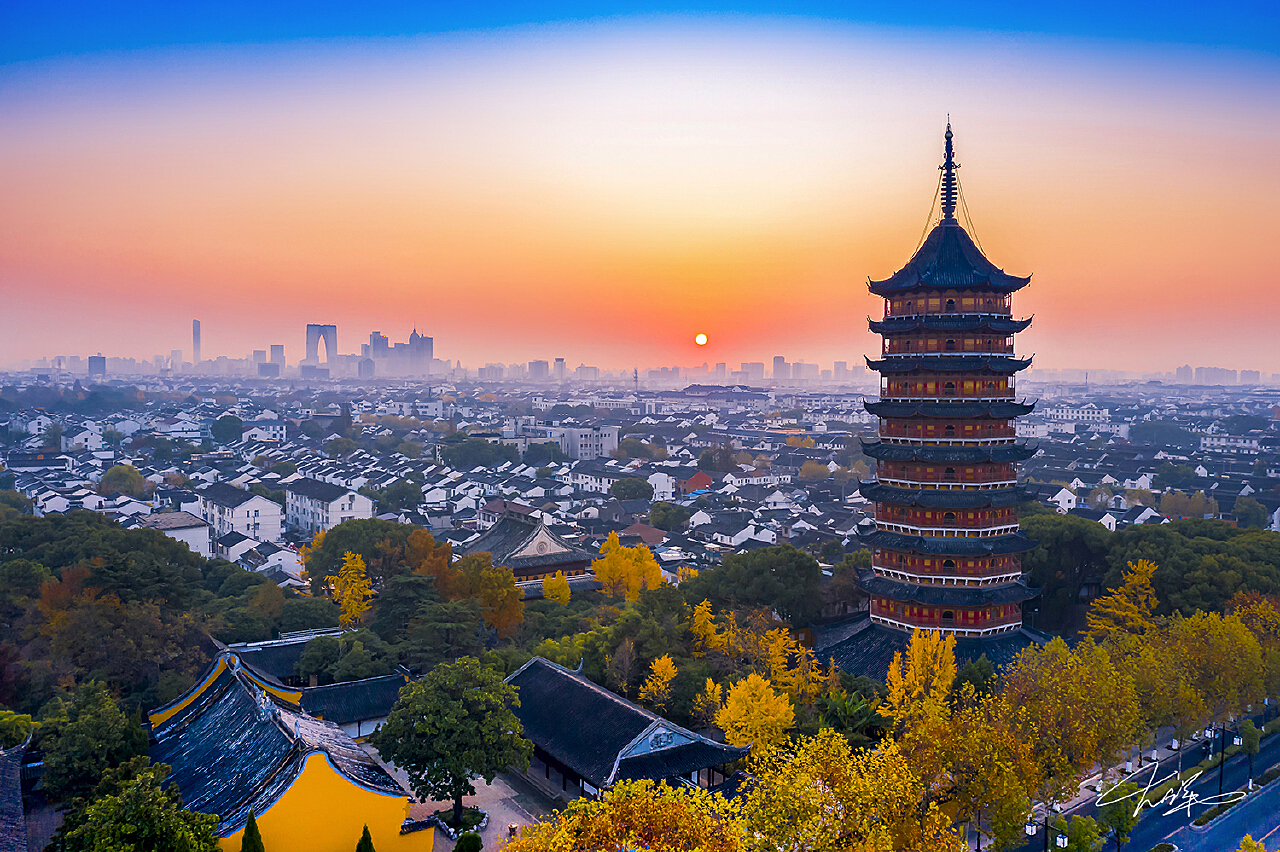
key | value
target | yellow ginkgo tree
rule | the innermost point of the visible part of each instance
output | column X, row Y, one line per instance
column 755, row 714
column 352, row 589
column 656, row 690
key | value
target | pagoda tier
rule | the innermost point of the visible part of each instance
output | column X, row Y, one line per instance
column 946, row 544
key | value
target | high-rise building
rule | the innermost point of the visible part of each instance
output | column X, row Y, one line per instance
column 259, row 356
column 781, row 369
column 97, row 365
column 378, row 345
column 195, row 342
column 840, row 372
column 753, row 370
column 277, row 354
column 175, row 360
column 539, row 371
column 327, row 333
column 946, row 547
column 558, row 370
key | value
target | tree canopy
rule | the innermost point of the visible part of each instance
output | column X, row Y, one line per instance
column 454, row 725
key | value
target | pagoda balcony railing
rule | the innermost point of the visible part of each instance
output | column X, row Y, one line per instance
column 890, row 513
column 947, row 532
column 973, row 484
column 891, row 351
column 958, row 396
column 1011, row 626
column 1003, row 307
column 946, row 579
column 948, row 442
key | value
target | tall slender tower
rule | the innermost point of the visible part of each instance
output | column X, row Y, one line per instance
column 946, row 545
column 195, row 343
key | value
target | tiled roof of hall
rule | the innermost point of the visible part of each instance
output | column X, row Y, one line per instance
column 950, row 322
column 948, row 260
column 999, row 453
column 234, row 748
column 948, row 362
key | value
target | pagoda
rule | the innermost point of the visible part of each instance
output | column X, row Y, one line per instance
column 945, row 543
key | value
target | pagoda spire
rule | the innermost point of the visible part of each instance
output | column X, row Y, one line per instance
column 949, row 186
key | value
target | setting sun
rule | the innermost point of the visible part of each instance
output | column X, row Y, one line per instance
column 700, row 339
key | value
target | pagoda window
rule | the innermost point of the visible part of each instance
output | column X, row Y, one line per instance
column 950, row 431
column 951, row 305
column 949, row 475
column 911, row 306
column 935, row 304
column 951, row 344
column 949, row 389
column 948, row 617
column 948, row 563
column 949, row 517
column 906, row 345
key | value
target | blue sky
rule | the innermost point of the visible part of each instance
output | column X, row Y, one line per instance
column 32, row 30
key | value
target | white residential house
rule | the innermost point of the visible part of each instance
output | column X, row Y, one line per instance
column 1065, row 500
column 84, row 438
column 184, row 527
column 664, row 486
column 228, row 509
column 263, row 430
column 315, row 506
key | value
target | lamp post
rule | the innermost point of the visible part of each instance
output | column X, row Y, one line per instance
column 1060, row 841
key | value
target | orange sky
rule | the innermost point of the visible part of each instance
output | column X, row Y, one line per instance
column 603, row 192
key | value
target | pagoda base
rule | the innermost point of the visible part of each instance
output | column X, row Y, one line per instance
column 869, row 651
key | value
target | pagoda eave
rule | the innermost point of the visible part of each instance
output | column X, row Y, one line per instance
column 996, row 409
column 941, row 499
column 942, row 364
column 1002, row 545
column 950, row 322
column 944, row 595
column 992, row 453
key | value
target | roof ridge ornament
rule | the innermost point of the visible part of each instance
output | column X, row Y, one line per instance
column 949, row 183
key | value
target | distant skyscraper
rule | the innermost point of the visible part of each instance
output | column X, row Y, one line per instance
column 175, row 360
column 327, row 333
column 558, row 371
column 195, row 341
column 97, row 365
column 539, row 371
column 754, row 370
column 781, row 369
column 378, row 345
column 277, row 354
column 421, row 353
column 259, row 356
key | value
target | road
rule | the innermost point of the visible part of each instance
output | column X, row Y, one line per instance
column 1257, row 814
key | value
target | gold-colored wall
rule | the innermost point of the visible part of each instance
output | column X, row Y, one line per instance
column 324, row 812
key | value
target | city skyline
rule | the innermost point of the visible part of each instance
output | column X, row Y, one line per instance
column 627, row 183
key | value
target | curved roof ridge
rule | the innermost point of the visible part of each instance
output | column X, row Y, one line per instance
column 948, row 259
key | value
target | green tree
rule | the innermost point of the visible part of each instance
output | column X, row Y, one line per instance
column 14, row 728
column 340, row 446
column 141, row 817
column 304, row 613
column 1071, row 549
column 1250, row 741
column 719, row 459
column 1250, row 513
column 409, row 449
column 1083, row 833
column 284, row 468
column 359, row 663
column 544, row 454
column 442, row 631
column 477, row 452
column 783, row 578
column 397, row 497
column 399, row 602
column 469, row 841
column 52, row 436
column 668, row 516
column 123, row 479
column 318, row 658
column 227, row 429
column 94, row 737
column 631, row 488
column 251, row 840
column 832, row 551
column 380, row 543
column 454, row 725
column 366, row 842
column 1117, row 817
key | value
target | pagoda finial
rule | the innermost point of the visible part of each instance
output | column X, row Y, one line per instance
column 949, row 190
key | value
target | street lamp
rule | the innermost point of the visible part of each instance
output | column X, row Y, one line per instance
column 1060, row 841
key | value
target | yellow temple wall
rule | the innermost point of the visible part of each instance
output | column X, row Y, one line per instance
column 323, row 811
